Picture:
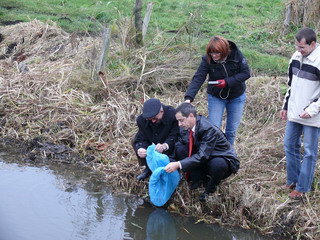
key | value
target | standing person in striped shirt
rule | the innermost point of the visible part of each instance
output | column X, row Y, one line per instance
column 301, row 109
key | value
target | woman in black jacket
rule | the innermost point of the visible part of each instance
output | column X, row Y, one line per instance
column 228, row 70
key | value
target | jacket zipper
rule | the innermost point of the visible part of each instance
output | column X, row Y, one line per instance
column 220, row 93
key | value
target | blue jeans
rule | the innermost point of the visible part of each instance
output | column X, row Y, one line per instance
column 234, row 108
column 300, row 168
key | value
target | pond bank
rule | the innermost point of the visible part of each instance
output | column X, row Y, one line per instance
column 37, row 198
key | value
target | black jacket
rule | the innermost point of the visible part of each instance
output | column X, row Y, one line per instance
column 166, row 131
column 209, row 142
column 234, row 70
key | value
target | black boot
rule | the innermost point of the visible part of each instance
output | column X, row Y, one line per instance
column 209, row 189
column 204, row 196
column 194, row 185
column 146, row 173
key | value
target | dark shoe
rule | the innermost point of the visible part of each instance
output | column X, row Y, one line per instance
column 146, row 173
column 205, row 181
column 194, row 185
column 204, row 196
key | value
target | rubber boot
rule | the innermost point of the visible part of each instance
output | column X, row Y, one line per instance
column 146, row 173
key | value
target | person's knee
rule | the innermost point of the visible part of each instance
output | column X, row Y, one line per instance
column 181, row 151
column 219, row 167
column 289, row 146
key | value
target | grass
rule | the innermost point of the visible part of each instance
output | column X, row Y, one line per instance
column 249, row 23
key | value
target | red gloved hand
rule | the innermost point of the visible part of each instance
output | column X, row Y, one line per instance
column 222, row 83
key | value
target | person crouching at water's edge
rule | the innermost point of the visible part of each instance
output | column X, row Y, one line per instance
column 211, row 154
column 157, row 124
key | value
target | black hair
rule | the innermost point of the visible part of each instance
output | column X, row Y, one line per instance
column 185, row 109
column 308, row 34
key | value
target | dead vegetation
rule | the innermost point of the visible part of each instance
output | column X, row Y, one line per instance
column 56, row 99
column 302, row 13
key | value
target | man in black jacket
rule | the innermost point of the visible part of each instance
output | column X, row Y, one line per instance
column 211, row 153
column 157, row 124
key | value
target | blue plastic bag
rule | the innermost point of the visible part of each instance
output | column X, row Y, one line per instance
column 161, row 183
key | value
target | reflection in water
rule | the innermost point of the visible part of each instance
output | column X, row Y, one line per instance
column 61, row 201
column 146, row 223
column 160, row 226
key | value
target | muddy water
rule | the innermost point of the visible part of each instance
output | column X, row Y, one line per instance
column 68, row 202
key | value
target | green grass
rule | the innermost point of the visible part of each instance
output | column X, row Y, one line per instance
column 252, row 24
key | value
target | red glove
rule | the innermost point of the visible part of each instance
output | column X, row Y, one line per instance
column 222, row 83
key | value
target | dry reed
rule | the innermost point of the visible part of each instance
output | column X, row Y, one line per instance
column 305, row 13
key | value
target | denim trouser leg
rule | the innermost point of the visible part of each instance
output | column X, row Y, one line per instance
column 234, row 108
column 300, row 170
column 216, row 108
column 309, row 160
column 292, row 145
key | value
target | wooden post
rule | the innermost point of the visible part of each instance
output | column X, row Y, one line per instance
column 146, row 20
column 138, row 22
column 101, row 64
column 287, row 20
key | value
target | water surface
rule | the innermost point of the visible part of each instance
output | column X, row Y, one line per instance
column 63, row 201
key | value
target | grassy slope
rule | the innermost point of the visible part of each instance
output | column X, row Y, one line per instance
column 250, row 23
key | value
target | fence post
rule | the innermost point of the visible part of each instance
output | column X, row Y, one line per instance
column 146, row 20
column 101, row 63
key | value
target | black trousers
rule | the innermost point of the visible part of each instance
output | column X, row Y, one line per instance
column 213, row 171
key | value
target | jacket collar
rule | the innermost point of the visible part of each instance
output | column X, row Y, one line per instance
column 314, row 54
column 311, row 57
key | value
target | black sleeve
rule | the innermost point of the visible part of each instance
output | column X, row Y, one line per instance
column 141, row 140
column 242, row 75
column 198, row 79
column 173, row 135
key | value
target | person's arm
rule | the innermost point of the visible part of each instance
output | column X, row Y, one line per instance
column 312, row 110
column 172, row 166
column 162, row 147
column 141, row 140
column 242, row 75
column 283, row 114
column 197, row 80
column 207, row 145
column 173, row 135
